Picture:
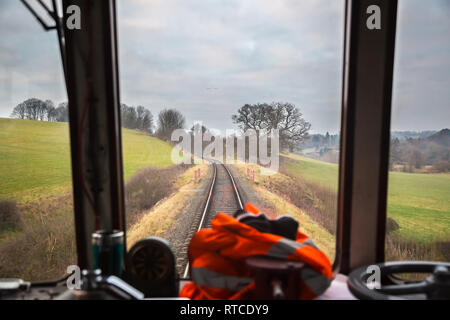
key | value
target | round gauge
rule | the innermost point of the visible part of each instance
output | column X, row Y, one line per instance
column 151, row 265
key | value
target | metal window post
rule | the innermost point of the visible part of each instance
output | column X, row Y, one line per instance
column 95, row 130
column 365, row 131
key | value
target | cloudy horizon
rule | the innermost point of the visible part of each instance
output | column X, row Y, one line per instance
column 207, row 59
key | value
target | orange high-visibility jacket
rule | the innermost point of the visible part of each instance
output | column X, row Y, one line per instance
column 217, row 260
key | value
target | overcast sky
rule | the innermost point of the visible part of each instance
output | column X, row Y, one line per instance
column 208, row 58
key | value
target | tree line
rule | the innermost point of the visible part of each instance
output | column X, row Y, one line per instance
column 142, row 119
column 416, row 153
column 138, row 117
column 36, row 109
column 261, row 117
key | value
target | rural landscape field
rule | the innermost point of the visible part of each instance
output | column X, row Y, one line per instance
column 418, row 207
column 37, row 234
column 37, row 228
column 30, row 148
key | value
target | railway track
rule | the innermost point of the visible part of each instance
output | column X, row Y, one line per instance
column 223, row 196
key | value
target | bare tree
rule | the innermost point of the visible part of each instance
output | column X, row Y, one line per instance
column 62, row 112
column 144, row 119
column 140, row 112
column 287, row 118
column 251, row 117
column 51, row 114
column 36, row 109
column 129, row 116
column 147, row 122
column 136, row 118
column 31, row 109
column 19, row 111
column 42, row 111
column 168, row 121
column 50, row 110
column 416, row 159
column 197, row 128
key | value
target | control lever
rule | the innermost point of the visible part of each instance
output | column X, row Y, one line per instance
column 9, row 286
column 121, row 285
column 96, row 287
column 275, row 278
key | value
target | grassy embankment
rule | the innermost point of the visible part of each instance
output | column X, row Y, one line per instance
column 419, row 203
column 285, row 196
column 157, row 220
column 35, row 174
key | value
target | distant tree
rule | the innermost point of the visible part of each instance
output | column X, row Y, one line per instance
column 62, row 112
column 316, row 139
column 144, row 119
column 19, row 111
column 287, row 118
column 51, row 114
column 140, row 111
column 168, row 121
column 136, row 118
column 196, row 128
column 252, row 117
column 50, row 111
column 441, row 166
column 416, row 159
column 129, row 116
column 31, row 109
column 42, row 110
column 395, row 153
column 147, row 122
column 36, row 109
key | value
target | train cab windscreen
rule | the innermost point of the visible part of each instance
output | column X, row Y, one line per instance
column 224, row 150
column 200, row 72
column 37, row 235
column 418, row 199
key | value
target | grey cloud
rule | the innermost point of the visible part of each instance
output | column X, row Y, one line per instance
column 172, row 51
column 251, row 51
column 421, row 99
column 30, row 65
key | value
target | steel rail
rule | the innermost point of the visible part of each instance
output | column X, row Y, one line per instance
column 208, row 200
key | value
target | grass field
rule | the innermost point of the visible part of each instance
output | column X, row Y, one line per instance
column 35, row 173
column 419, row 203
column 35, row 157
column 314, row 171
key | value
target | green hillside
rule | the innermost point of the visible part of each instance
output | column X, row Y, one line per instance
column 35, row 157
column 419, row 203
column 314, row 171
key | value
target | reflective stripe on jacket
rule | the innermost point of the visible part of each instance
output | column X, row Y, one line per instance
column 217, row 260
